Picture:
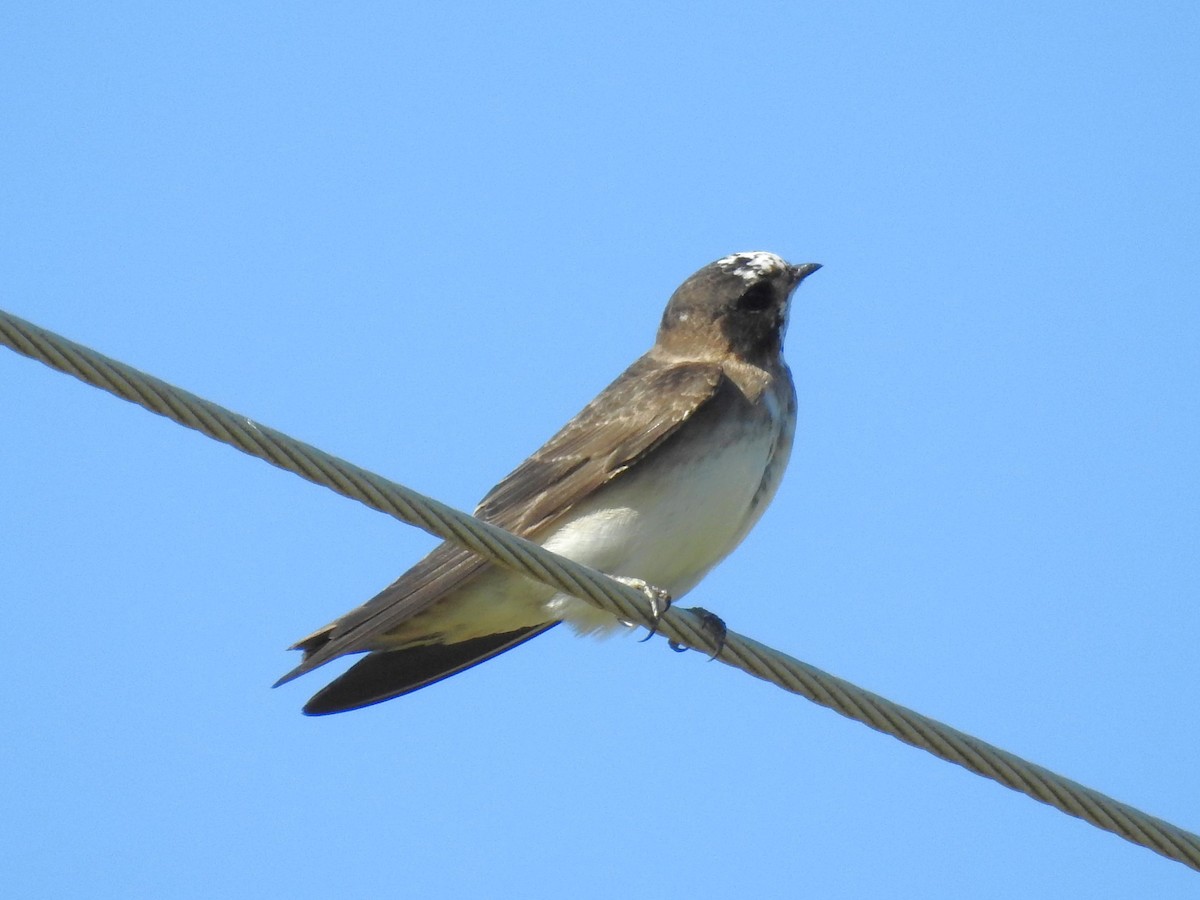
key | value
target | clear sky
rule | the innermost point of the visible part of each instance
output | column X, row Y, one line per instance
column 421, row 236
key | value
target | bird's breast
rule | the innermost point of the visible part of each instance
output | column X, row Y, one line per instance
column 680, row 510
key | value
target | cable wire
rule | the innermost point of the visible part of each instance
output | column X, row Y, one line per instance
column 623, row 601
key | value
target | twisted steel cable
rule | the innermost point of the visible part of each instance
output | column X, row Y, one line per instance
column 679, row 625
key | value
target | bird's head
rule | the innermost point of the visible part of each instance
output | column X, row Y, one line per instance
column 738, row 304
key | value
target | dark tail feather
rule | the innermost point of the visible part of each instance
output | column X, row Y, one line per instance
column 310, row 645
column 384, row 674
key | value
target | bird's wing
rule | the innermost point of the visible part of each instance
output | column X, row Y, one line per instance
column 626, row 421
column 386, row 674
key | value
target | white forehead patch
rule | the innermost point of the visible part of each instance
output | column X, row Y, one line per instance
column 751, row 265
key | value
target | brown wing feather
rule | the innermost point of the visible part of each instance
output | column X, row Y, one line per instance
column 386, row 674
column 632, row 416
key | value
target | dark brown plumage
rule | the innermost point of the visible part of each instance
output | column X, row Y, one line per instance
column 720, row 338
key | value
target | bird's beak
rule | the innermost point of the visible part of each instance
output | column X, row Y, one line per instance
column 802, row 271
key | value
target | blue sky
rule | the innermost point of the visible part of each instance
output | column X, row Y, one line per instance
column 421, row 237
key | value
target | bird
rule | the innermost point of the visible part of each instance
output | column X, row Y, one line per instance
column 654, row 482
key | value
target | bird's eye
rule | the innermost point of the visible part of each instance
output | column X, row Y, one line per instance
column 757, row 297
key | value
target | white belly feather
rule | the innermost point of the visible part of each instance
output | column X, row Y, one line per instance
column 670, row 524
column 668, row 520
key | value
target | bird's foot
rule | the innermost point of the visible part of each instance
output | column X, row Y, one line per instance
column 712, row 625
column 660, row 601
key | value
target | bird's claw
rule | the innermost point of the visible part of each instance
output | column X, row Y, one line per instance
column 660, row 601
column 712, row 624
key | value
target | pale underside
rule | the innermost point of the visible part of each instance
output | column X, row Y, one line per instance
column 667, row 521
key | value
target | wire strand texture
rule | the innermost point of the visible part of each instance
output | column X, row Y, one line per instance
column 629, row 604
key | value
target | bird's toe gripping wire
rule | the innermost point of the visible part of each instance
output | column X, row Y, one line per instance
column 712, row 625
column 660, row 601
